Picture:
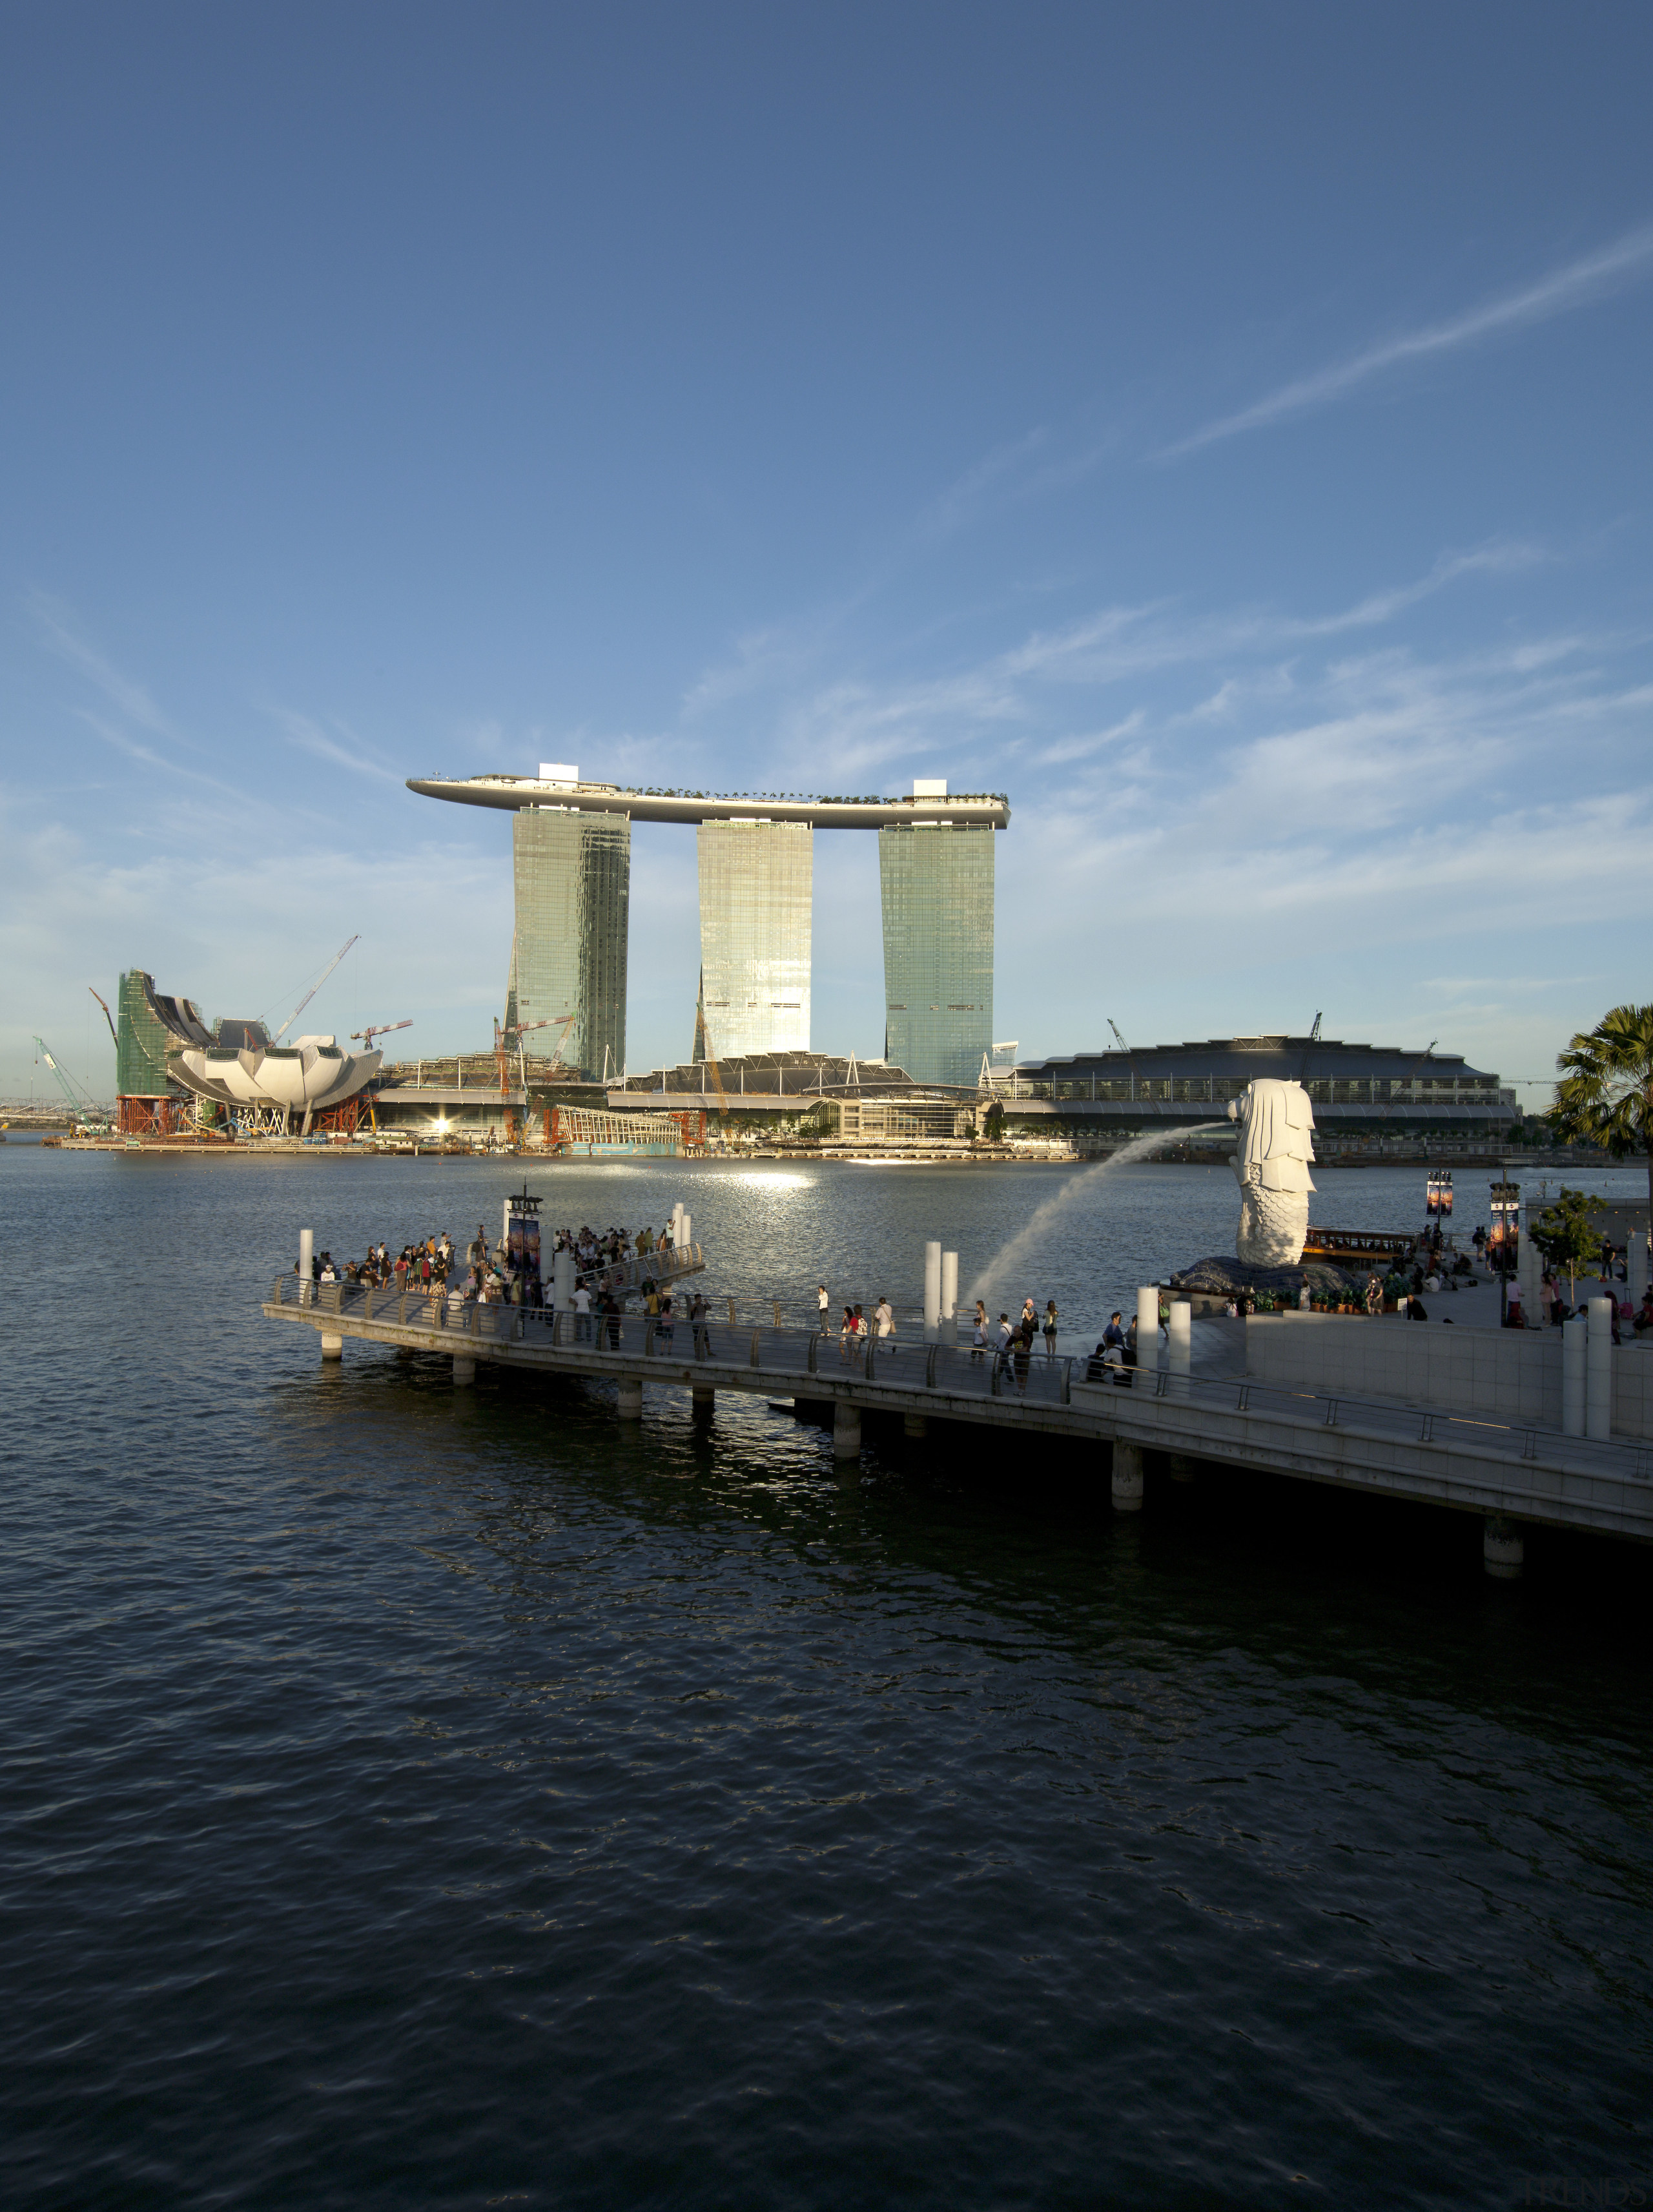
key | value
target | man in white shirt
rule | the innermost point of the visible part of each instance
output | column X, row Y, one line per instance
column 582, row 1313
column 883, row 1317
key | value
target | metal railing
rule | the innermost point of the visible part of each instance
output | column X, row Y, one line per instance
column 1627, row 1458
column 795, row 1355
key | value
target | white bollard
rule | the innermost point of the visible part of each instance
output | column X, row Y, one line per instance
column 688, row 1236
column 1147, row 1328
column 306, row 1262
column 1180, row 1361
column 1637, row 1267
column 1572, row 1376
column 950, row 1296
column 931, row 1290
column 564, row 1275
column 1598, row 1371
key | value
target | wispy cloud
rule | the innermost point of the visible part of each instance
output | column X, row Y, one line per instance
column 1573, row 286
column 62, row 635
column 303, row 730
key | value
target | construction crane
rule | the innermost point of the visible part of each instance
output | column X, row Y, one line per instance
column 567, row 1024
column 503, row 1037
column 1118, row 1038
column 313, row 988
column 1313, row 1040
column 82, row 1105
column 378, row 1028
column 108, row 1017
column 711, row 1065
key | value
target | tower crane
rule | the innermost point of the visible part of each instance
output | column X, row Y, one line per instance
column 378, row 1028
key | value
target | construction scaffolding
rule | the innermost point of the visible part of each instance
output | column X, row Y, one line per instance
column 590, row 1129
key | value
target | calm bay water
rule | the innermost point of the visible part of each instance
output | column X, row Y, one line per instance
column 419, row 1798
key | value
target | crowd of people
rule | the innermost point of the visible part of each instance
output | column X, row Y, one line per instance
column 486, row 1274
column 1009, row 1344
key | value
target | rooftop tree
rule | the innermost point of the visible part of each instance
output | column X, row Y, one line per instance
column 1605, row 1093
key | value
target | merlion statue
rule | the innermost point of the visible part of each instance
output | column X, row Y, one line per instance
column 1271, row 1165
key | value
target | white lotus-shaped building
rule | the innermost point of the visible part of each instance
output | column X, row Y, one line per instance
column 310, row 1073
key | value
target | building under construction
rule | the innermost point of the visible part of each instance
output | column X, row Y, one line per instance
column 514, row 1098
column 173, row 1073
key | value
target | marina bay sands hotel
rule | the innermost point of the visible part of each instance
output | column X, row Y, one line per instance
column 572, row 845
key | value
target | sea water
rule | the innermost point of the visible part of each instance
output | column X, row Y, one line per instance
column 418, row 1797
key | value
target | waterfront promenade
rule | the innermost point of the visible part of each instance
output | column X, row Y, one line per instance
column 1221, row 1414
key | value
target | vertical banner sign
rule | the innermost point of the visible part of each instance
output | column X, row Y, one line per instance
column 522, row 1231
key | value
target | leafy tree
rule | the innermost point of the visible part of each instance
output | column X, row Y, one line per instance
column 1605, row 1093
column 1565, row 1235
column 992, row 1123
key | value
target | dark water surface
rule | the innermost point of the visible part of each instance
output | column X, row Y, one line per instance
column 413, row 1797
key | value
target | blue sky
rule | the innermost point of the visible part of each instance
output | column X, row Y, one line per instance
column 1226, row 430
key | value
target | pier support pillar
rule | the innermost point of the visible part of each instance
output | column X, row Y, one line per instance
column 1128, row 1475
column 915, row 1424
column 702, row 1399
column 465, row 1371
column 1178, row 1465
column 1501, row 1548
column 307, row 1258
column 332, row 1348
column 629, row 1398
column 846, row 1430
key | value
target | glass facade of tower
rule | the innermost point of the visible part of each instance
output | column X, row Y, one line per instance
column 936, row 885
column 755, row 881
column 573, row 899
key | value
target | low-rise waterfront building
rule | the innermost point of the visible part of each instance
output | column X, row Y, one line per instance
column 1356, row 1088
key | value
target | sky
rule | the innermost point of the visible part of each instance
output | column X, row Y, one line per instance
column 1224, row 431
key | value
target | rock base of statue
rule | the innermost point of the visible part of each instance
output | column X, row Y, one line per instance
column 1273, row 1224
column 1222, row 1278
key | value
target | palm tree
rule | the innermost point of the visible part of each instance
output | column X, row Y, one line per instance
column 1605, row 1093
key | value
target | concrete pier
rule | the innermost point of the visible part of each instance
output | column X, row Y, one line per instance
column 914, row 1424
column 1468, row 1419
column 1178, row 1465
column 1502, row 1549
column 465, row 1371
column 702, row 1400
